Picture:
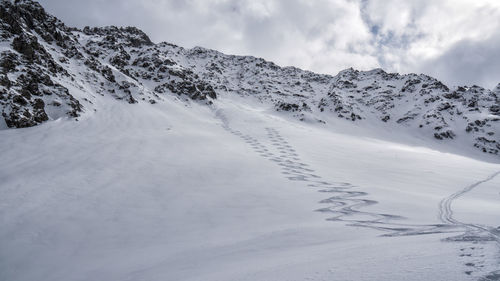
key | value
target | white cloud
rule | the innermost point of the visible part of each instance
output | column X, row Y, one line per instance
column 323, row 35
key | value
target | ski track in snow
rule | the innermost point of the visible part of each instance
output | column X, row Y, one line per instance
column 346, row 203
column 474, row 233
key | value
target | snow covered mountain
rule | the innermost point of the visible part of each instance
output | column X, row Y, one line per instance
column 141, row 161
column 50, row 71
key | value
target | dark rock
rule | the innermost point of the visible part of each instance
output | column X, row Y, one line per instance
column 444, row 135
column 108, row 73
column 27, row 46
column 4, row 81
column 282, row 106
column 495, row 109
column 8, row 61
column 19, row 100
column 198, row 90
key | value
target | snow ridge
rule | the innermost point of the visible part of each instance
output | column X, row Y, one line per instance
column 49, row 71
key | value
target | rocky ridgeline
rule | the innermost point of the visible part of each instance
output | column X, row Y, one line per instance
column 49, row 70
column 420, row 102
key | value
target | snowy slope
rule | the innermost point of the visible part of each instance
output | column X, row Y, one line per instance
column 154, row 162
column 169, row 192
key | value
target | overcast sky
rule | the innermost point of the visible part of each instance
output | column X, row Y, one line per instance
column 457, row 41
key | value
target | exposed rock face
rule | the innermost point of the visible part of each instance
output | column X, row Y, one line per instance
column 27, row 88
column 51, row 71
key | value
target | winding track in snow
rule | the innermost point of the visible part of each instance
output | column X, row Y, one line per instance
column 446, row 212
column 346, row 204
column 472, row 232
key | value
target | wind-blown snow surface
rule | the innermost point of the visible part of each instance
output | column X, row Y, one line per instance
column 187, row 192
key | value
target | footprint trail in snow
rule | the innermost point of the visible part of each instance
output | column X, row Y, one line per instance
column 346, row 204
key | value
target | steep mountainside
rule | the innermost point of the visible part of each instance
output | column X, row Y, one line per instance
column 49, row 70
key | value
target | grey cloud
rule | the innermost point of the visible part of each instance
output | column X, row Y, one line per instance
column 324, row 35
column 468, row 62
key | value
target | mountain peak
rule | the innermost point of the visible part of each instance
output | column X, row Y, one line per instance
column 131, row 36
column 52, row 71
column 497, row 88
column 29, row 16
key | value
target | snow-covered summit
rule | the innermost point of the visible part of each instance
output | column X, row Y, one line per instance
column 49, row 70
